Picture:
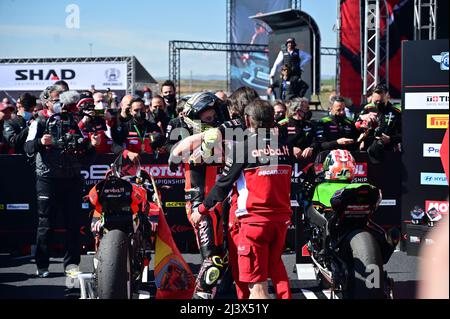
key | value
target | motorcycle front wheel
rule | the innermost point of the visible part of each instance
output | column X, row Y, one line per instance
column 365, row 267
column 114, row 266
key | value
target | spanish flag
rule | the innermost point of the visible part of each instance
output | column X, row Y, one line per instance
column 173, row 277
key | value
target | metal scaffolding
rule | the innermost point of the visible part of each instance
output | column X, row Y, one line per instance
column 425, row 25
column 296, row 4
column 175, row 48
column 229, row 9
column 338, row 46
column 376, row 45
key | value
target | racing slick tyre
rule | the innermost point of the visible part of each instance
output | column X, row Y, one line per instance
column 365, row 267
column 114, row 266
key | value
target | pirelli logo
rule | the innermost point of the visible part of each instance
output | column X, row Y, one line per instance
column 437, row 121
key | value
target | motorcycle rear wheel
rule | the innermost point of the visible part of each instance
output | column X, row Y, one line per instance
column 114, row 266
column 365, row 267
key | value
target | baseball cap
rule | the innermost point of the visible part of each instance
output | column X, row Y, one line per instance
column 290, row 40
column 4, row 106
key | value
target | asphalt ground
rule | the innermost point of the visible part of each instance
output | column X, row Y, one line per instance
column 18, row 280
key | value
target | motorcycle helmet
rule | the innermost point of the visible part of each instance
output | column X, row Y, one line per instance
column 417, row 215
column 339, row 165
column 199, row 103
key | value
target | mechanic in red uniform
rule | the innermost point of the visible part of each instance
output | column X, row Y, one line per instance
column 261, row 168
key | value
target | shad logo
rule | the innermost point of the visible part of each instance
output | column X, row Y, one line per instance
column 41, row 75
column 442, row 59
column 112, row 74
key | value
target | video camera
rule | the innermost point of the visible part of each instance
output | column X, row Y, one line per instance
column 96, row 115
column 65, row 134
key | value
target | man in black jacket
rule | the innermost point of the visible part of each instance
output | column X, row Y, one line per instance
column 56, row 141
column 336, row 130
column 289, row 85
column 134, row 134
column 380, row 124
column 16, row 130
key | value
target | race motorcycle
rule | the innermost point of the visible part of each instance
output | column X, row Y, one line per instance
column 347, row 248
column 123, row 227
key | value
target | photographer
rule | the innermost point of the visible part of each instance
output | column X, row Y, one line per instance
column 380, row 125
column 56, row 141
column 6, row 113
column 16, row 129
column 97, row 122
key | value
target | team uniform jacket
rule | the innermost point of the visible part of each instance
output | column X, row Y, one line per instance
column 300, row 133
column 15, row 132
column 329, row 130
column 138, row 138
column 258, row 181
column 389, row 119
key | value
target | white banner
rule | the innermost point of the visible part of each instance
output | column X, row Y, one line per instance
column 79, row 76
column 431, row 150
column 426, row 101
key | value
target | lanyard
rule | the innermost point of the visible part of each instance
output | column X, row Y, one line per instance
column 139, row 133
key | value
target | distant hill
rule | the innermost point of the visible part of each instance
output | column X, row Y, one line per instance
column 216, row 77
column 211, row 77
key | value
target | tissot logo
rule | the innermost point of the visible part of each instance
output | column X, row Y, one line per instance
column 426, row 101
column 437, row 121
column 437, row 98
column 440, row 206
column 41, row 75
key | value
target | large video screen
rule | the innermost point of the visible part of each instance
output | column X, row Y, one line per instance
column 252, row 68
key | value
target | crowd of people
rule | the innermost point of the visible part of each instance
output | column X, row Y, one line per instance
column 62, row 129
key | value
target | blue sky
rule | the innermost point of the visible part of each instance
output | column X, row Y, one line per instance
column 134, row 27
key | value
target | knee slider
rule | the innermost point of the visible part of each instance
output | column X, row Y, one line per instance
column 213, row 271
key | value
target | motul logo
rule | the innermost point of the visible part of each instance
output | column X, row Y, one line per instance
column 440, row 206
column 361, row 170
column 163, row 171
column 53, row 75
